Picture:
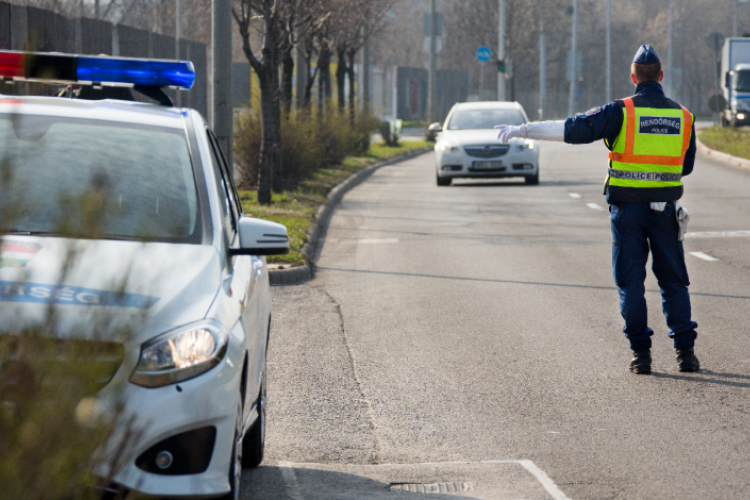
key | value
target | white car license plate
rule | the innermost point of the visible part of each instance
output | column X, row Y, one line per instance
column 487, row 165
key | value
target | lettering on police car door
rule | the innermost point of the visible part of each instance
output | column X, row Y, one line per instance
column 660, row 125
column 18, row 291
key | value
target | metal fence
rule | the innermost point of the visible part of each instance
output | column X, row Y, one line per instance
column 30, row 28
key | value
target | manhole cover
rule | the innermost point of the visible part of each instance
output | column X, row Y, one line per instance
column 431, row 488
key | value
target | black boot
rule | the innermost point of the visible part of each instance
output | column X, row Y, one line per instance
column 687, row 361
column 641, row 363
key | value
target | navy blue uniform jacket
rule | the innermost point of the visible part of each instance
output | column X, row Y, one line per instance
column 606, row 123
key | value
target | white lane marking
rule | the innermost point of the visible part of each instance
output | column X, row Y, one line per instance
column 574, row 195
column 538, row 473
column 704, row 256
column 594, row 206
column 711, row 234
column 290, row 479
column 377, row 241
column 547, row 483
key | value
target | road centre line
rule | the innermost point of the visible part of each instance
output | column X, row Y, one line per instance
column 376, row 241
column 718, row 234
column 574, row 195
column 595, row 206
column 704, row 256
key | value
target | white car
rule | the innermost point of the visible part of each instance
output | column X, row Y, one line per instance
column 122, row 216
column 467, row 144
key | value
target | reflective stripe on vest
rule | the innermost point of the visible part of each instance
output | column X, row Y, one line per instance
column 646, row 131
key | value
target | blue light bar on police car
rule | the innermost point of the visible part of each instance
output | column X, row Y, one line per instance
column 100, row 70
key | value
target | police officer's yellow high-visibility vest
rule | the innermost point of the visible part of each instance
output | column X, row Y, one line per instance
column 651, row 147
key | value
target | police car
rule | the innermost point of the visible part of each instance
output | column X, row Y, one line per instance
column 467, row 146
column 122, row 216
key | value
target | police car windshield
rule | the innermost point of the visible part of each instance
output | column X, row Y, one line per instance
column 743, row 81
column 477, row 119
column 96, row 179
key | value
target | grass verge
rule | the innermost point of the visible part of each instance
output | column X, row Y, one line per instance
column 296, row 209
column 730, row 140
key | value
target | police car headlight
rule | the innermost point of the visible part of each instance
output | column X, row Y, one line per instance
column 447, row 146
column 181, row 354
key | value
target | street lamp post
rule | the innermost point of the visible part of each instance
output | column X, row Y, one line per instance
column 609, row 56
column 573, row 75
column 669, row 54
column 501, row 51
column 542, row 65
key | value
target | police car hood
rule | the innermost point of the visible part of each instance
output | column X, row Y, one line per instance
column 104, row 288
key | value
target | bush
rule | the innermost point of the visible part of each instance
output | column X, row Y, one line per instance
column 309, row 141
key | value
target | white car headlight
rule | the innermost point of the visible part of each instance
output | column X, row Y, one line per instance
column 447, row 146
column 527, row 144
column 180, row 354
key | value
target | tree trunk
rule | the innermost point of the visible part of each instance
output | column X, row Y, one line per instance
column 267, row 136
column 324, row 78
column 352, row 88
column 287, row 65
column 341, row 73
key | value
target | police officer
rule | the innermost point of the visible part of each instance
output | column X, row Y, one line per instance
column 652, row 145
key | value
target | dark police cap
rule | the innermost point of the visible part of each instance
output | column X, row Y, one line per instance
column 646, row 55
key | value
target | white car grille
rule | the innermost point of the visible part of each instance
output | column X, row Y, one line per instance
column 487, row 151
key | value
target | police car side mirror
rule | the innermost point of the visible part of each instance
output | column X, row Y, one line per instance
column 261, row 237
column 435, row 127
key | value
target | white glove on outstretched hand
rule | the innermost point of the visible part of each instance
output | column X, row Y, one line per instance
column 508, row 132
column 552, row 130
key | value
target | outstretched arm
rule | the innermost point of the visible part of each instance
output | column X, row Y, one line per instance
column 545, row 131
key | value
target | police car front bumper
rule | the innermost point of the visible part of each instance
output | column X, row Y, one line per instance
column 189, row 411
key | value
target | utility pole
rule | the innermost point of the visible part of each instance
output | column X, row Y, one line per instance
column 177, row 38
column 542, row 66
column 431, row 115
column 609, row 55
column 221, row 48
column 669, row 54
column 736, row 4
column 501, row 51
column 574, row 60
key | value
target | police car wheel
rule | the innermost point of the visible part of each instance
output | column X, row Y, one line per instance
column 532, row 180
column 235, row 466
column 253, row 446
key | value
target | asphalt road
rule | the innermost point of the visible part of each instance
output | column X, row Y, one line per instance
column 469, row 339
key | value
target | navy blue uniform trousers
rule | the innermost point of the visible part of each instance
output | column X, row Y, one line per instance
column 635, row 229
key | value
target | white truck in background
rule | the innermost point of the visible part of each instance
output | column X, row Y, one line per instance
column 735, row 69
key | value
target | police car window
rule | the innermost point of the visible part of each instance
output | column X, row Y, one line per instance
column 95, row 178
column 234, row 199
column 477, row 119
column 223, row 189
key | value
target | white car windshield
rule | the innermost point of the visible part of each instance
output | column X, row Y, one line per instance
column 96, row 179
column 477, row 119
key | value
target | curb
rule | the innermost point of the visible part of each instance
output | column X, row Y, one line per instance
column 297, row 275
column 718, row 155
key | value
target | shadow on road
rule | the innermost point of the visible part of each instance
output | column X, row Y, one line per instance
column 699, row 378
column 276, row 483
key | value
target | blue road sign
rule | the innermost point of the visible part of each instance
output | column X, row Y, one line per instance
column 484, row 54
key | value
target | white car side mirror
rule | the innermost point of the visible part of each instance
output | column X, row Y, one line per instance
column 435, row 127
column 261, row 237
